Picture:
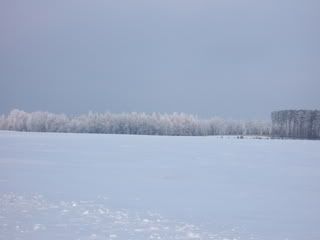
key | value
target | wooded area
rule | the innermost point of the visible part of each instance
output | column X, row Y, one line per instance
column 174, row 124
column 296, row 124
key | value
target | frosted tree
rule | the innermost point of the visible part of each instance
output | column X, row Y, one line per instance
column 178, row 124
column 296, row 124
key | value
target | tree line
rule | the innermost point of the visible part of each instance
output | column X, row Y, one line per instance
column 175, row 124
column 296, row 124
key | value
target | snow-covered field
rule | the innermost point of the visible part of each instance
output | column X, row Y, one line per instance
column 88, row 186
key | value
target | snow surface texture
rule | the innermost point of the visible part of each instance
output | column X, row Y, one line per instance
column 36, row 218
column 88, row 186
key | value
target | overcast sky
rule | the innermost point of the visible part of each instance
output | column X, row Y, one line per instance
column 230, row 58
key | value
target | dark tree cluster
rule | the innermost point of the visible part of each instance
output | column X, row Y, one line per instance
column 175, row 124
column 303, row 124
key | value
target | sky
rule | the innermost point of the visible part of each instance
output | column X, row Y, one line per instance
column 237, row 59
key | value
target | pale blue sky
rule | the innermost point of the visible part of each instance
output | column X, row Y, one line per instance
column 231, row 58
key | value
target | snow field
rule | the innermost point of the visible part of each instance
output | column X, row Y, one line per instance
column 34, row 217
column 95, row 186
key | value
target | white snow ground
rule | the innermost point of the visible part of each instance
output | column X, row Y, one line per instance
column 89, row 186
